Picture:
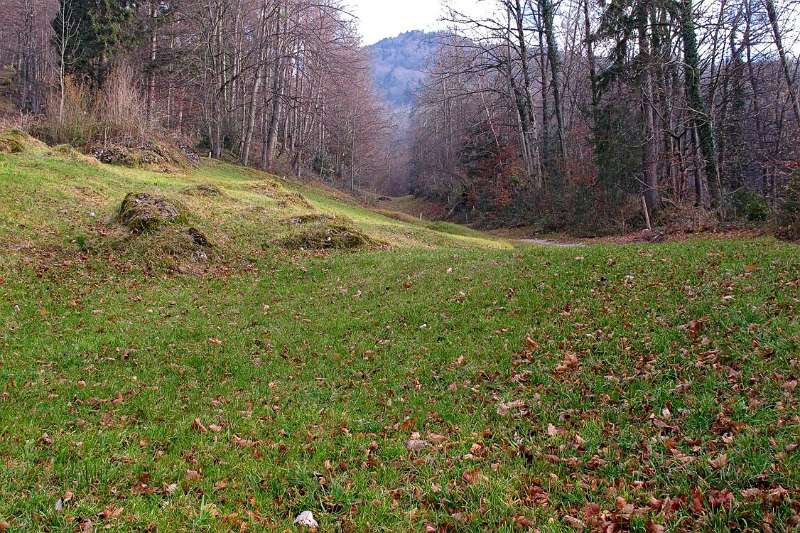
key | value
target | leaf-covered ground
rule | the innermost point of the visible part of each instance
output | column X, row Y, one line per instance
column 443, row 383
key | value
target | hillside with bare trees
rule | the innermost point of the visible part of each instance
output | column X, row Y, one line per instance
column 602, row 116
column 277, row 84
column 573, row 115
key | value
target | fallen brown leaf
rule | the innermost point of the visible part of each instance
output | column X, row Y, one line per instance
column 719, row 462
column 198, row 425
column 504, row 408
column 575, row 523
column 111, row 512
column 570, row 362
column 720, row 499
column 472, row 477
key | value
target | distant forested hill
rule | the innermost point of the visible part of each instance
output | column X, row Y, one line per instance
column 399, row 65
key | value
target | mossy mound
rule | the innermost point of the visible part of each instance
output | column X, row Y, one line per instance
column 70, row 152
column 205, row 189
column 153, row 155
column 294, row 199
column 15, row 141
column 327, row 236
column 285, row 198
column 141, row 212
column 159, row 234
column 314, row 218
column 173, row 247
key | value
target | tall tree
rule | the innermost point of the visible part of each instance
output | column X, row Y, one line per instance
column 697, row 106
column 101, row 33
column 778, row 39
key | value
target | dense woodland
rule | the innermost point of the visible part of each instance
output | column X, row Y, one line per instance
column 279, row 84
column 584, row 115
column 572, row 113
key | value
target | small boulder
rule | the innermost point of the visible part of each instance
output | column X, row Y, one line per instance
column 143, row 212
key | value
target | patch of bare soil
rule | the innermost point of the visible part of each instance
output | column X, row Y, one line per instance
column 547, row 242
column 655, row 236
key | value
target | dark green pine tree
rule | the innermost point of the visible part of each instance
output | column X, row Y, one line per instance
column 101, row 28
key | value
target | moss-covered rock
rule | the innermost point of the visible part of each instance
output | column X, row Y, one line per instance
column 142, row 212
column 199, row 238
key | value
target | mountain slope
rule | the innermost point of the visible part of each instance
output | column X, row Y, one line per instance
column 399, row 65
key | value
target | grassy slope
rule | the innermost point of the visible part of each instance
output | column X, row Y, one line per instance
column 317, row 370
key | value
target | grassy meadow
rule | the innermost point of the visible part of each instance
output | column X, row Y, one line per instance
column 439, row 380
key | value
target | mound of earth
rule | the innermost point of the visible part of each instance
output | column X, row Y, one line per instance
column 327, row 236
column 141, row 212
column 284, row 198
column 174, row 246
column 65, row 150
column 168, row 239
column 205, row 189
column 313, row 218
column 153, row 155
column 15, row 141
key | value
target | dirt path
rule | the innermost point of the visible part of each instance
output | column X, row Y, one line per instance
column 545, row 242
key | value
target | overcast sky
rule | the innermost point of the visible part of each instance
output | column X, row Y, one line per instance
column 387, row 18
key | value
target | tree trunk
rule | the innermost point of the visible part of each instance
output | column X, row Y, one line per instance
column 776, row 35
column 697, row 108
column 277, row 88
column 650, row 157
column 546, row 8
column 151, row 71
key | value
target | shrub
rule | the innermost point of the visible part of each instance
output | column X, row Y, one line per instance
column 114, row 114
column 750, row 206
column 120, row 110
column 73, row 123
column 789, row 210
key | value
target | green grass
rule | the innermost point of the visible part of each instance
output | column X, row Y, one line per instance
column 316, row 369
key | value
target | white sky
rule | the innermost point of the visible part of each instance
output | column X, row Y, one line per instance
column 388, row 18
